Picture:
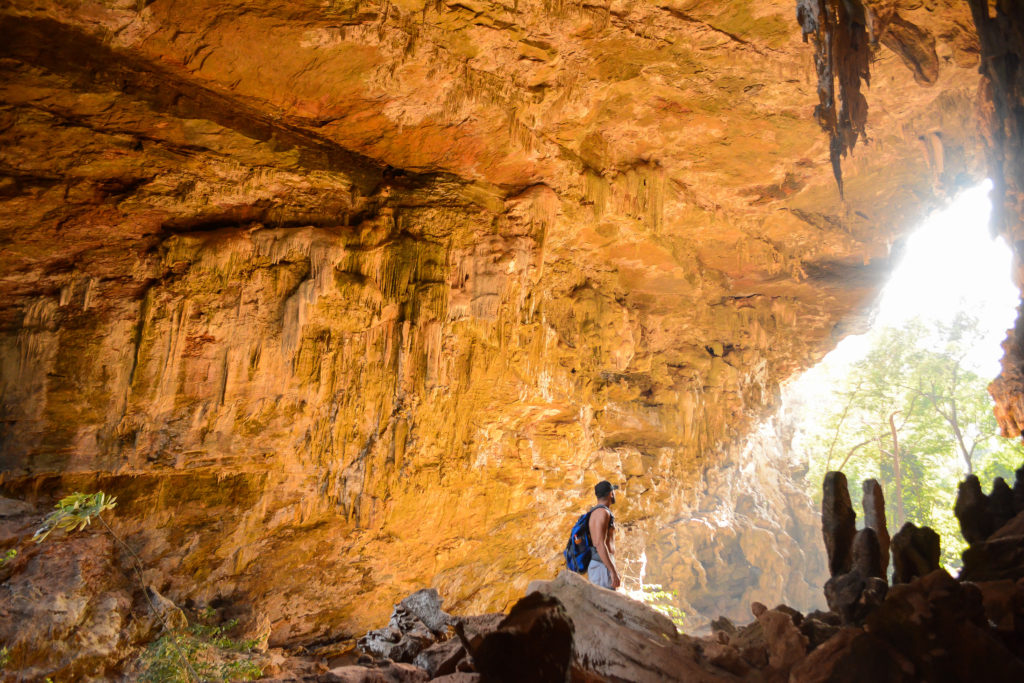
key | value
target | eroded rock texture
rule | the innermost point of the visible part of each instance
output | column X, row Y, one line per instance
column 342, row 299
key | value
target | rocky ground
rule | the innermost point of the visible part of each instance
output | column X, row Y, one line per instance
column 72, row 611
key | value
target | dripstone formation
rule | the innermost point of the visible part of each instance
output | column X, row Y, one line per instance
column 342, row 299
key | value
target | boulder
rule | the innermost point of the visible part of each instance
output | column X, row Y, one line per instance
column 617, row 638
column 425, row 605
column 417, row 622
column 787, row 646
column 534, row 643
column 441, row 658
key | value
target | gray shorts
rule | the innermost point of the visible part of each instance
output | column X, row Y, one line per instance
column 599, row 574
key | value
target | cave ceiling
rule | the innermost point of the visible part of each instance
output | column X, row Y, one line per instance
column 346, row 298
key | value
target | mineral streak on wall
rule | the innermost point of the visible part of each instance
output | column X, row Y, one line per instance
column 342, row 298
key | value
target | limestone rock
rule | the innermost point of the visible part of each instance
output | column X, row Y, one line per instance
column 787, row 646
column 853, row 595
column 425, row 605
column 972, row 510
column 866, row 554
column 405, row 636
column 534, row 643
column 1018, row 490
column 386, row 673
column 1004, row 605
column 873, row 504
column 1000, row 503
column 440, row 659
column 69, row 612
column 817, row 631
column 620, row 639
column 277, row 281
column 915, row 553
column 939, row 630
column 838, row 522
column 1000, row 556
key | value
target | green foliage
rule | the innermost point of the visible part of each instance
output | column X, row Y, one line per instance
column 5, row 657
column 663, row 601
column 74, row 513
column 913, row 401
column 8, row 556
column 211, row 652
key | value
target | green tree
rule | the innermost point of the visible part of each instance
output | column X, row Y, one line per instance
column 915, row 415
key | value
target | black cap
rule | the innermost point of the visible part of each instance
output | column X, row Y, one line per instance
column 603, row 488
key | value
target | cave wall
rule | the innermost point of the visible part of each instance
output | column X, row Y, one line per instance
column 343, row 299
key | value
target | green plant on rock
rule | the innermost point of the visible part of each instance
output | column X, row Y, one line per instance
column 210, row 652
column 74, row 513
column 8, row 556
column 77, row 511
column 663, row 601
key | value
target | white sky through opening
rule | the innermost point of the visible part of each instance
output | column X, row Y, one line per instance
column 950, row 263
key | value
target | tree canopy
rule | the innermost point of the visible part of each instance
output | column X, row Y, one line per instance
column 915, row 415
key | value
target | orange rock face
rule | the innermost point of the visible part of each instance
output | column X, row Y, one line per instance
column 342, row 299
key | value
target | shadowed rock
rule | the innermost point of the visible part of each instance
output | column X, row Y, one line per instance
column 838, row 522
column 867, row 558
column 853, row 595
column 972, row 510
column 1018, row 491
column 1000, row 503
column 1000, row 556
column 873, row 504
column 534, row 643
column 915, row 552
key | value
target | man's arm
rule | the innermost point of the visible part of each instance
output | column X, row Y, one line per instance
column 599, row 519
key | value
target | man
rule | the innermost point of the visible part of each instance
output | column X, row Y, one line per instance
column 602, row 570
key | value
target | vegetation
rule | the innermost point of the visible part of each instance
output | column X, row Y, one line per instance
column 74, row 513
column 663, row 601
column 210, row 652
column 8, row 556
column 913, row 414
column 77, row 511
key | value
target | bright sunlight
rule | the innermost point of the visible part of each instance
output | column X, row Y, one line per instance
column 906, row 403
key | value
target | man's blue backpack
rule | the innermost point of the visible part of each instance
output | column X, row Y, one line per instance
column 577, row 550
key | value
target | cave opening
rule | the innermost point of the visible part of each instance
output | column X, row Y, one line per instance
column 906, row 402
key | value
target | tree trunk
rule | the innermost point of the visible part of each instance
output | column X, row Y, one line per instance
column 898, row 475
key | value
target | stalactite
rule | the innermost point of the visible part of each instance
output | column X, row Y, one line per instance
column 842, row 53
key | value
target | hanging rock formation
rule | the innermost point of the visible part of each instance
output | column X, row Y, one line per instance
column 343, row 299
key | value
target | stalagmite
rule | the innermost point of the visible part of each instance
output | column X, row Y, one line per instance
column 873, row 504
column 838, row 522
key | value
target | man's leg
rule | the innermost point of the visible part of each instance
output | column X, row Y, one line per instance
column 599, row 575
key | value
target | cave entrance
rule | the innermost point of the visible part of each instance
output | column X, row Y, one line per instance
column 907, row 403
